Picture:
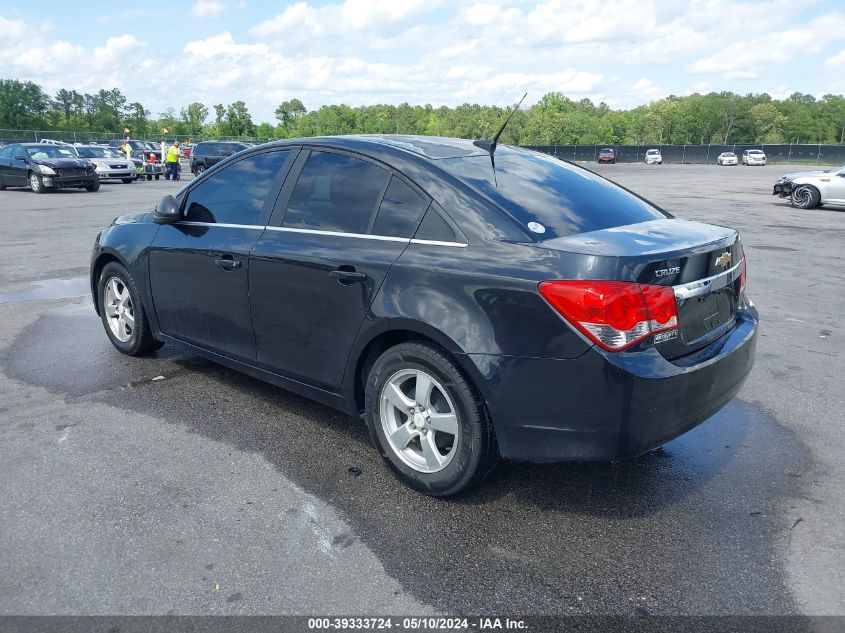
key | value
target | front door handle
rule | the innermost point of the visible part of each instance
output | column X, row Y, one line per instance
column 347, row 275
column 227, row 262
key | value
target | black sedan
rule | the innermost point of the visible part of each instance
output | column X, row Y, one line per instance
column 469, row 305
column 43, row 167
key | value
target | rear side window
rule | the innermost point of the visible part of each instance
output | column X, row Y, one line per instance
column 400, row 210
column 238, row 194
column 335, row 192
column 202, row 148
column 562, row 199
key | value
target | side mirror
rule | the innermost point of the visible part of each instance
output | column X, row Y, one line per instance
column 166, row 211
column 20, row 157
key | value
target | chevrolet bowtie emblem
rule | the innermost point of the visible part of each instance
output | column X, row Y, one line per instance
column 723, row 260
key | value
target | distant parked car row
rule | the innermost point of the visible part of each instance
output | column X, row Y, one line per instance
column 654, row 157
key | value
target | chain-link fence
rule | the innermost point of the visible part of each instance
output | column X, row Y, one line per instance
column 701, row 154
column 682, row 154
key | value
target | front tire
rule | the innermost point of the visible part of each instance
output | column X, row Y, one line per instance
column 93, row 186
column 805, row 197
column 127, row 181
column 122, row 312
column 36, row 183
column 427, row 420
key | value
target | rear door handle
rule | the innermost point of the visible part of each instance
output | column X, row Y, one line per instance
column 227, row 262
column 348, row 277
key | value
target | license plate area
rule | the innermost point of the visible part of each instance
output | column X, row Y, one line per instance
column 706, row 315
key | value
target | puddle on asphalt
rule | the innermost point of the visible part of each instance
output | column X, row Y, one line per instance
column 49, row 289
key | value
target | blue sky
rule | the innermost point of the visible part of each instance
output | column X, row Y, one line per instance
column 623, row 52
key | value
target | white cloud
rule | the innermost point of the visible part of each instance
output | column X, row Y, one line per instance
column 625, row 52
column 837, row 61
column 207, row 9
column 752, row 57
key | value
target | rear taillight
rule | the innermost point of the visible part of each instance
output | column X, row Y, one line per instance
column 613, row 314
column 743, row 272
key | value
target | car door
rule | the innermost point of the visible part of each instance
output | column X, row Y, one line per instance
column 337, row 229
column 17, row 168
column 199, row 266
column 836, row 187
column 5, row 160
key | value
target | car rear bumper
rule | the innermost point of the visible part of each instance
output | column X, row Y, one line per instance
column 605, row 406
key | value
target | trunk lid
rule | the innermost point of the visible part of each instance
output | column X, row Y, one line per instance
column 700, row 261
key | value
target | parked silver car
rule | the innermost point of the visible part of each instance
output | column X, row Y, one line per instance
column 110, row 163
column 811, row 189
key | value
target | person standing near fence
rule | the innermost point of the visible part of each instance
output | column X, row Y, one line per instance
column 172, row 161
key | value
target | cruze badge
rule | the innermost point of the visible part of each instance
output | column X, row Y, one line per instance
column 723, row 260
column 662, row 272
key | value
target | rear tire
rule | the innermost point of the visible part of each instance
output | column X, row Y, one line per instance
column 805, row 197
column 199, row 170
column 122, row 312
column 422, row 450
column 127, row 181
column 2, row 184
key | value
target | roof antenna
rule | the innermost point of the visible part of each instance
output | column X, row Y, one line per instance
column 490, row 146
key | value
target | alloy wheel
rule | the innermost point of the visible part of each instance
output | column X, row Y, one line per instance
column 419, row 420
column 117, row 304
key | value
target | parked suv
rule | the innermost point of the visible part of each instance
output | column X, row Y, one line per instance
column 209, row 153
column 653, row 157
column 753, row 157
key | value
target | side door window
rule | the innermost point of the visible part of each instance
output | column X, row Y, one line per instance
column 336, row 192
column 400, row 211
column 240, row 193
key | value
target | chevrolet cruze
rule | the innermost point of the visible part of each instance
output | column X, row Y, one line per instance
column 469, row 303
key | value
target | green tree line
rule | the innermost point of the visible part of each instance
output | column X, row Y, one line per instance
column 722, row 117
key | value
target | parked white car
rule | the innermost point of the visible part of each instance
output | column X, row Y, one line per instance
column 727, row 158
column 753, row 157
column 653, row 157
column 811, row 189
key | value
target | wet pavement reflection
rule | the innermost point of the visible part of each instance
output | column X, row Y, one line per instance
column 690, row 528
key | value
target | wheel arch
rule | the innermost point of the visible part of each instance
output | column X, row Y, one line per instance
column 379, row 339
column 105, row 257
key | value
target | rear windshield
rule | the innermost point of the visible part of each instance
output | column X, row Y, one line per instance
column 564, row 199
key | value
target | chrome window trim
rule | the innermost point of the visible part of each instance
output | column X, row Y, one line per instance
column 360, row 236
column 257, row 227
column 708, row 284
column 438, row 243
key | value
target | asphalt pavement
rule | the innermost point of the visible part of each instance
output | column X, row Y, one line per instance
column 172, row 485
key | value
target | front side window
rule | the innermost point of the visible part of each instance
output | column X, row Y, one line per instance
column 238, row 194
column 400, row 210
column 335, row 192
